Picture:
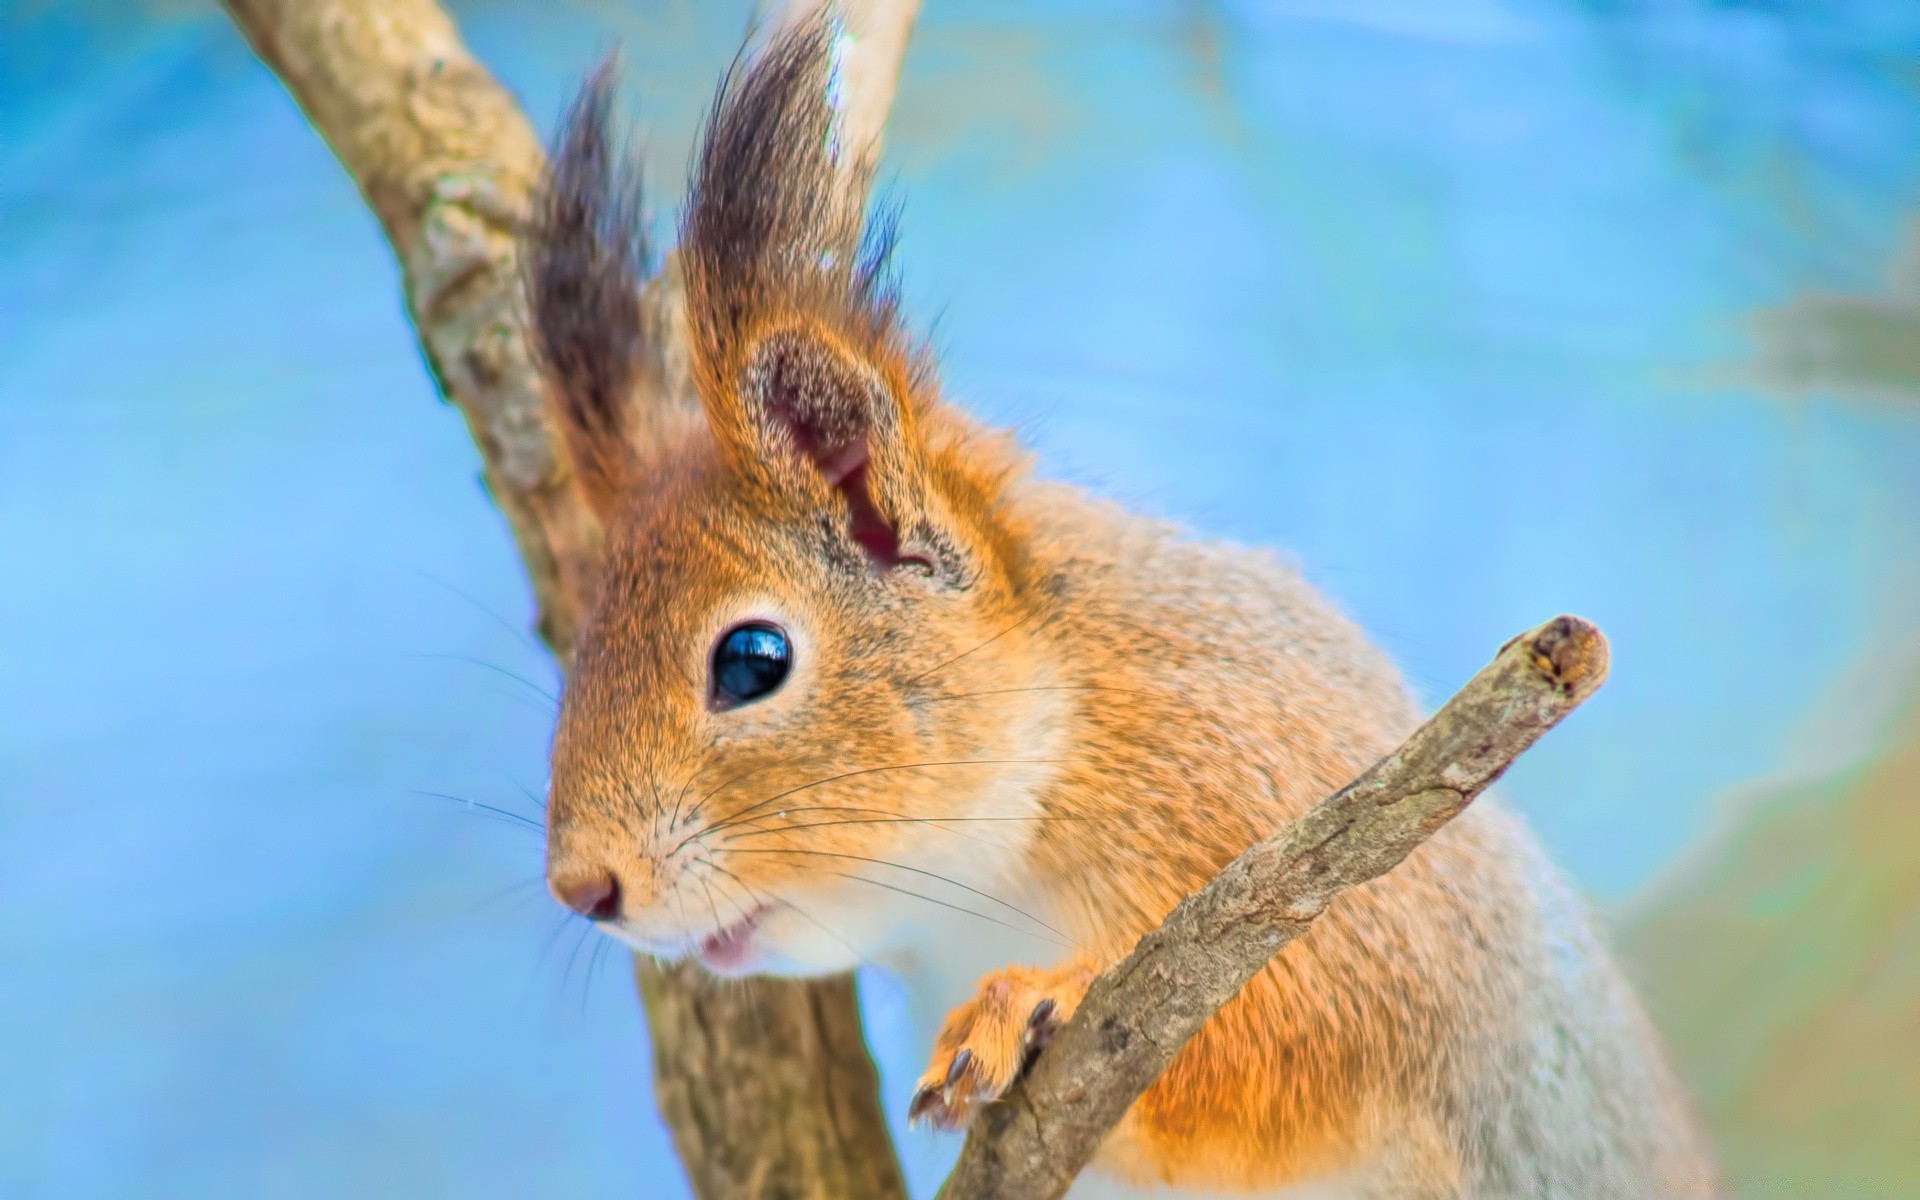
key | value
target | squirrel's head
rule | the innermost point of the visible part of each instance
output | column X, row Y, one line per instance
column 804, row 710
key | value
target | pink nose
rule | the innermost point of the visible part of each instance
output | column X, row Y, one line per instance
column 592, row 892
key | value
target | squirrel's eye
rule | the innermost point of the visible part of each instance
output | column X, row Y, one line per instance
column 750, row 662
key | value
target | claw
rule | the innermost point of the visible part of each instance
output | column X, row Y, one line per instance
column 1041, row 1017
column 960, row 1063
column 938, row 1099
column 918, row 1106
column 1041, row 1026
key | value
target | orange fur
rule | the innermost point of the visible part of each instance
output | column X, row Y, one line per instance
column 1049, row 715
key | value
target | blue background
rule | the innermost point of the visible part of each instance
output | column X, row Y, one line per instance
column 1485, row 311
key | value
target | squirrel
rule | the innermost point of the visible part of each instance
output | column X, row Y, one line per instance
column 856, row 687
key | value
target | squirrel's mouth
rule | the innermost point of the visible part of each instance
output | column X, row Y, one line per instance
column 726, row 950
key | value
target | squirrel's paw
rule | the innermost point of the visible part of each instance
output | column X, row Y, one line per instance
column 988, row 1042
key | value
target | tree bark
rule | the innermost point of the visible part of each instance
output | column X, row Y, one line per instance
column 768, row 1089
column 794, row 1067
column 1139, row 1013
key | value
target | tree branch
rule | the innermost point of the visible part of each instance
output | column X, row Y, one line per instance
column 768, row 1089
column 446, row 161
column 1139, row 1013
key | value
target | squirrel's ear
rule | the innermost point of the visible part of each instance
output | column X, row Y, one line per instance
column 808, row 403
column 585, row 257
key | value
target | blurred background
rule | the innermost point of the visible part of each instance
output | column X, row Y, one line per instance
column 1484, row 310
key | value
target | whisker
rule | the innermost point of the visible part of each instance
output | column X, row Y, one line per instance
column 785, row 903
column 881, row 862
column 955, row 907
column 680, row 907
column 734, row 816
column 982, row 646
column 519, row 635
column 553, row 701
column 936, row 822
column 653, row 786
column 566, row 976
column 561, row 922
column 538, row 802
column 500, row 813
column 715, row 906
column 499, row 895
column 680, row 793
column 560, row 926
column 593, row 965
column 1091, row 687
column 745, row 913
column 702, row 802
column 787, row 812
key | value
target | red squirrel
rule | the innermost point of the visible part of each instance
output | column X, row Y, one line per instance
column 857, row 688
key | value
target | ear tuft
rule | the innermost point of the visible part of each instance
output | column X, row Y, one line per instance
column 775, row 227
column 586, row 255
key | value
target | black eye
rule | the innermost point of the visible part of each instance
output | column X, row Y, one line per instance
column 749, row 663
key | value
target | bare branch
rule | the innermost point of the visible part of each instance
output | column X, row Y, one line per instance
column 1140, row 1012
column 768, row 1089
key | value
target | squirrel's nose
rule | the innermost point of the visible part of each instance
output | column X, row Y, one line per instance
column 592, row 892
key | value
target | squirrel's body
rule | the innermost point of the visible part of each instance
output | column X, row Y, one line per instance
column 1451, row 1029
column 854, row 686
